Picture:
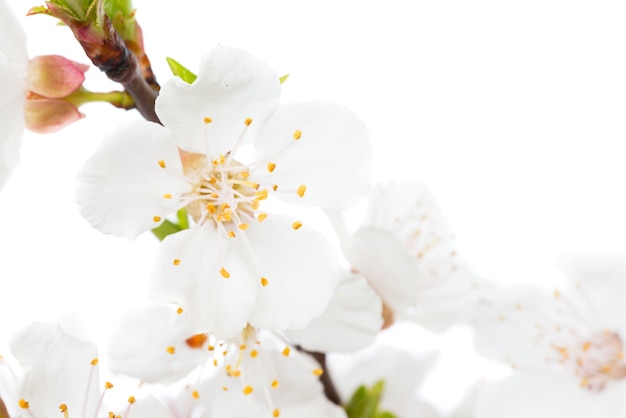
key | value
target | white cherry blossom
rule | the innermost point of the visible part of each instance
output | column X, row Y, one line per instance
column 566, row 346
column 237, row 264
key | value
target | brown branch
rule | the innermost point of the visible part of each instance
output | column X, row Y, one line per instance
column 329, row 386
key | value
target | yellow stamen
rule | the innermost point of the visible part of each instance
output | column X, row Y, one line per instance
column 586, row 346
column 255, row 204
column 162, row 163
column 63, row 407
column 195, row 394
column 224, row 388
column 286, row 351
column 243, row 347
column 94, row 362
column 211, row 348
column 276, row 413
column 215, row 362
column 296, row 225
column 231, row 234
column 207, row 120
column 243, row 227
column 225, row 274
column 131, row 399
column 245, row 174
column 247, row 390
column 23, row 404
column 156, row 218
column 176, row 262
column 179, row 310
column 262, row 217
column 254, row 353
column 274, row 384
column 197, row 340
column 248, row 121
column 108, row 385
column 271, row 167
column 171, row 349
column 167, row 196
column 301, row 190
column 264, row 281
column 297, row 134
column 318, row 372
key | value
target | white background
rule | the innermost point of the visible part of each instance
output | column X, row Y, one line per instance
column 512, row 112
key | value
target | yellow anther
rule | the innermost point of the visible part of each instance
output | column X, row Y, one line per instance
column 236, row 373
column 243, row 347
column 195, row 394
column 225, row 274
column 207, row 120
column 131, row 399
column 262, row 195
column 274, row 384
column 23, row 404
column 301, row 190
column 94, row 362
column 248, row 390
column 271, row 167
column 262, row 217
column 243, row 227
column 176, row 262
column 318, row 372
column 63, row 407
column 211, row 208
column 227, row 215
column 224, row 388
column 584, row 382
column 586, row 346
column 255, row 204
column 162, row 163
column 286, row 351
column 248, row 121
column 297, row 134
column 167, row 196
column 212, row 180
column 605, row 369
column 197, row 340
column 214, row 195
column 210, row 348
column 215, row 362
column 231, row 234
column 156, row 218
column 296, row 225
column 244, row 174
column 276, row 413
column 179, row 310
column 224, row 353
column 275, row 187
column 108, row 385
column 264, row 281
column 254, row 353
column 171, row 349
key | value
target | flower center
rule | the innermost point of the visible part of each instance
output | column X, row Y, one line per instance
column 600, row 359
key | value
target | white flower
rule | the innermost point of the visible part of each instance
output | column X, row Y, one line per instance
column 566, row 347
column 401, row 371
column 407, row 253
column 234, row 266
column 13, row 68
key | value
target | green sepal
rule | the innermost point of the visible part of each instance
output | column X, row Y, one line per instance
column 283, row 78
column 183, row 219
column 165, row 229
column 364, row 402
column 38, row 10
column 122, row 16
column 180, row 71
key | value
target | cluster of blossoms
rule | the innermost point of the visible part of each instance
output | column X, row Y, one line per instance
column 253, row 312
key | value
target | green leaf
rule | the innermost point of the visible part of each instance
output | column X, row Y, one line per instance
column 179, row 70
column 386, row 415
column 283, row 78
column 165, row 229
column 362, row 404
column 183, row 219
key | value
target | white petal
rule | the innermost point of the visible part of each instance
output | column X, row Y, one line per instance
column 8, row 383
column 11, row 116
column 391, row 271
column 214, row 303
column 401, row 370
column 333, row 158
column 302, row 272
column 12, row 36
column 527, row 395
column 351, row 321
column 600, row 279
column 58, row 370
column 232, row 85
column 122, row 188
column 150, row 407
column 139, row 346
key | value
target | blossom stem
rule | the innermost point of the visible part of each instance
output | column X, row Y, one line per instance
column 3, row 410
column 119, row 99
column 329, row 387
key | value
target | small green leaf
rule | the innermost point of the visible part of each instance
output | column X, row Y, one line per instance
column 179, row 70
column 283, row 78
column 165, row 229
column 386, row 415
column 362, row 404
column 183, row 219
column 39, row 10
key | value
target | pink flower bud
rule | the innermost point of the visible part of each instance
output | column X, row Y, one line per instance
column 54, row 76
column 49, row 115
